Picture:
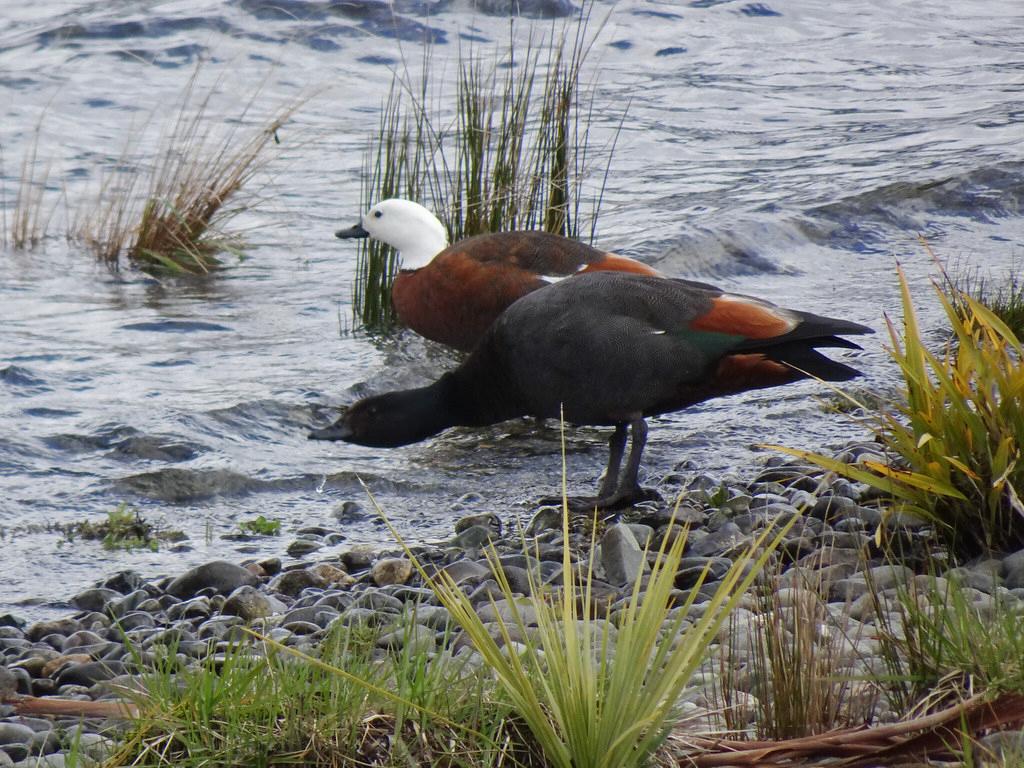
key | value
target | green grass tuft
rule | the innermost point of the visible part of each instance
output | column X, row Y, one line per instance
column 514, row 155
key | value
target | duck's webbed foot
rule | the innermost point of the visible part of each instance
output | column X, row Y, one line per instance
column 617, row 501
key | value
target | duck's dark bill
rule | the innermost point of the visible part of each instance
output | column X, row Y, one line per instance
column 336, row 431
column 354, row 232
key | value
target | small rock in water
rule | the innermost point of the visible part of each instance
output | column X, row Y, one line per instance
column 302, row 547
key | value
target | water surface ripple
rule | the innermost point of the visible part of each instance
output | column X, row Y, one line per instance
column 790, row 150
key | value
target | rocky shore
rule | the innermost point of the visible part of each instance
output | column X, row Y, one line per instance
column 828, row 570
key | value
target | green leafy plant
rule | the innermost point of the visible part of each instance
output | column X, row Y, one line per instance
column 958, row 438
column 123, row 528
column 261, row 526
column 514, row 156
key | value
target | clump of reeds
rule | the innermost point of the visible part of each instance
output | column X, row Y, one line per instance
column 171, row 215
column 25, row 225
column 514, row 156
column 957, row 437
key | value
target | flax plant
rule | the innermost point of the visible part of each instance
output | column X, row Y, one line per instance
column 958, row 438
column 514, row 155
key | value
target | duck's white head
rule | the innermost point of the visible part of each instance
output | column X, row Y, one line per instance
column 406, row 226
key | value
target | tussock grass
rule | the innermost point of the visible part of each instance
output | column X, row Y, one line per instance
column 514, row 155
column 171, row 216
column 957, row 439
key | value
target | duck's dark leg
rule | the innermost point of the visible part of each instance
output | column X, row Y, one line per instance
column 629, row 483
column 616, row 448
column 628, row 490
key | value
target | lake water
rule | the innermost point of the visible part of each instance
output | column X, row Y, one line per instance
column 795, row 151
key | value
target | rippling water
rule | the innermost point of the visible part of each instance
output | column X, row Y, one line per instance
column 791, row 150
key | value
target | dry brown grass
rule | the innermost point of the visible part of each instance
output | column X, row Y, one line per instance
column 172, row 216
column 25, row 225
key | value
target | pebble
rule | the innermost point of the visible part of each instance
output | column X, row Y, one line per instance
column 391, row 570
column 621, row 556
column 221, row 576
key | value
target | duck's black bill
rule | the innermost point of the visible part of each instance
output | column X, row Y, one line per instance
column 336, row 431
column 355, row 232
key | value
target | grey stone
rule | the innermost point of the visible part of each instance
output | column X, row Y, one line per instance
column 474, row 537
column 136, row 619
column 303, row 547
column 691, row 569
column 833, row 507
column 1005, row 745
column 359, row 557
column 8, row 683
column 546, row 518
column 504, row 610
column 90, row 673
column 94, row 599
column 81, row 638
column 217, row 627
column 391, row 570
column 621, row 556
column 293, row 582
column 416, row 637
column 358, row 617
column 302, row 628
column 44, row 742
column 1013, row 570
column 220, row 575
column 249, row 604
column 41, row 629
column 15, row 733
column 466, row 570
column 433, row 616
column 488, row 520
column 979, row 577
column 644, row 534
column 378, row 601
column 196, row 608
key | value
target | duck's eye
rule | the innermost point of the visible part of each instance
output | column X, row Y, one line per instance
column 377, row 214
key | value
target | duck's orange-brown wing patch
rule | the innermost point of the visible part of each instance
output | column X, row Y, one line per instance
column 613, row 263
column 740, row 316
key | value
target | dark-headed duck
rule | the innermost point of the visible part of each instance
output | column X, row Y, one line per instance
column 452, row 294
column 608, row 349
